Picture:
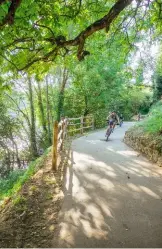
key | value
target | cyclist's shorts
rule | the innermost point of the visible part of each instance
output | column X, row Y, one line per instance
column 111, row 122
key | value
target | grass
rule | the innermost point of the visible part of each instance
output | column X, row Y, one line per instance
column 19, row 200
column 17, row 178
column 153, row 123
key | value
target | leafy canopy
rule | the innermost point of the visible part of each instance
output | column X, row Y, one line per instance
column 40, row 31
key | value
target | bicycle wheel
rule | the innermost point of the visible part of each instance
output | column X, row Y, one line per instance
column 108, row 133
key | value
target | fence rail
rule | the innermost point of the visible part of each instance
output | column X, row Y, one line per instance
column 67, row 127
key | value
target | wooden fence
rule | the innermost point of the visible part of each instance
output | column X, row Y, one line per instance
column 67, row 127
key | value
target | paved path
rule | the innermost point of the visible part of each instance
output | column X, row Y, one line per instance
column 113, row 196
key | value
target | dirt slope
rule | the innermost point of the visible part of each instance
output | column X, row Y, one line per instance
column 30, row 219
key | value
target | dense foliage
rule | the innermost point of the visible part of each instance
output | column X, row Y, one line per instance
column 15, row 179
column 153, row 123
column 35, row 33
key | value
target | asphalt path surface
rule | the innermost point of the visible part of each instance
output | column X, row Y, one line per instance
column 113, row 195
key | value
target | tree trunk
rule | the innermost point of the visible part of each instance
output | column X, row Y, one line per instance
column 48, row 112
column 41, row 108
column 16, row 152
column 7, row 159
column 33, row 143
column 61, row 94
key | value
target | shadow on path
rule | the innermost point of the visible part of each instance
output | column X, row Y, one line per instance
column 113, row 196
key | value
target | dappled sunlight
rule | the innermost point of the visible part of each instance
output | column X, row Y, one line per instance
column 83, row 195
column 141, row 189
column 150, row 192
column 134, row 169
column 91, row 141
column 105, row 209
column 106, row 184
column 111, row 197
column 79, row 156
column 110, row 149
column 139, row 172
column 90, row 232
column 125, row 169
column 66, row 234
column 133, row 187
column 74, row 216
column 105, row 167
column 110, row 173
column 87, row 217
column 126, row 153
column 142, row 163
column 89, row 162
column 68, row 178
column 93, row 212
column 92, row 176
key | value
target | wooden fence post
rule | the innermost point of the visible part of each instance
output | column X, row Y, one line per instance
column 66, row 128
column 54, row 149
column 81, row 124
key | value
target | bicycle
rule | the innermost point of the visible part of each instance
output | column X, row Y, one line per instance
column 109, row 130
column 121, row 122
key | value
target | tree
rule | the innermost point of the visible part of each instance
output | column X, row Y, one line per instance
column 157, row 78
column 157, row 88
column 61, row 93
column 41, row 106
column 48, row 111
column 9, row 154
column 41, row 31
column 33, row 143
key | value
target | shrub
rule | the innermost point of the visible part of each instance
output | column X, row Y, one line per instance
column 13, row 183
column 153, row 124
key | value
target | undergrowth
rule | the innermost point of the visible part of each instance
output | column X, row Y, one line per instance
column 13, row 183
column 153, row 123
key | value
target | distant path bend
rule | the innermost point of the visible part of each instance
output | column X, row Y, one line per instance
column 113, row 196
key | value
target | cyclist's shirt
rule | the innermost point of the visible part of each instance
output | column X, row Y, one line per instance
column 112, row 118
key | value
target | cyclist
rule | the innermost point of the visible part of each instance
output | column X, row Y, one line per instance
column 112, row 119
column 121, row 119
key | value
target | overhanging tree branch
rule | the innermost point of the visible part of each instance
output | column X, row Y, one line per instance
column 59, row 43
column 9, row 18
column 79, row 41
column 100, row 24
